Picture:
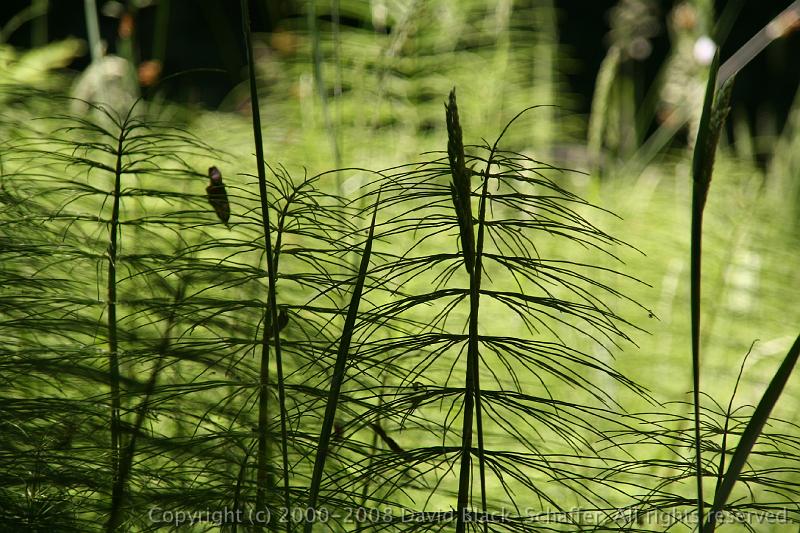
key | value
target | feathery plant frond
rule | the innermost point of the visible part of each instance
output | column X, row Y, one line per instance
column 431, row 364
column 53, row 193
column 445, row 416
column 187, row 377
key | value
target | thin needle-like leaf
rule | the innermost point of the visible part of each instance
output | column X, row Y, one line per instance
column 338, row 377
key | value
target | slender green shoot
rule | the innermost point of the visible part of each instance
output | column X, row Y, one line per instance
column 271, row 312
column 339, row 375
column 715, row 109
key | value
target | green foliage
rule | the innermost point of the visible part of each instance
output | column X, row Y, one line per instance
column 35, row 68
column 412, row 349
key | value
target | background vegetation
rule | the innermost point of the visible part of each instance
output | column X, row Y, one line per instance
column 142, row 376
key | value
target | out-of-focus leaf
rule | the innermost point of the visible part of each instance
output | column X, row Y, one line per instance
column 34, row 67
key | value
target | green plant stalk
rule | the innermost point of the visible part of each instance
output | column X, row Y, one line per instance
column 780, row 26
column 460, row 192
column 113, row 355
column 626, row 104
column 339, row 375
column 475, row 287
column 93, row 29
column 545, row 19
column 598, row 119
column 472, row 262
column 37, row 13
column 161, row 31
column 271, row 313
column 711, row 121
column 276, row 329
column 237, row 491
column 473, row 353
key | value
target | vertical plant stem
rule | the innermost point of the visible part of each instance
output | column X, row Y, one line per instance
column 93, row 29
column 113, row 354
column 702, row 169
column 475, row 287
column 337, row 379
column 464, row 475
column 39, row 24
column 461, row 193
column 598, row 118
column 271, row 312
column 126, row 461
column 161, row 31
column 545, row 67
column 337, row 46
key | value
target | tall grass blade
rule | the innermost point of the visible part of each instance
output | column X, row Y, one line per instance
column 271, row 312
column 319, row 81
column 339, row 374
column 713, row 117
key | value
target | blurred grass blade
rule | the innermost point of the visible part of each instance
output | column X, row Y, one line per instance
column 782, row 25
column 752, row 431
column 339, row 373
column 598, row 118
column 319, row 82
column 93, row 30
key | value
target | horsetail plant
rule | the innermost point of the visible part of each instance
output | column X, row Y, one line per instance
column 462, row 203
column 715, row 109
column 457, row 377
column 271, row 312
column 410, row 345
